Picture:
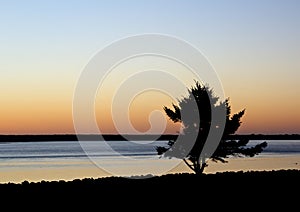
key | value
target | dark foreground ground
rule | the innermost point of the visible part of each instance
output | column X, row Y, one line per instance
column 252, row 190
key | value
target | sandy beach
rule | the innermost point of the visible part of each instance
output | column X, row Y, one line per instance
column 86, row 169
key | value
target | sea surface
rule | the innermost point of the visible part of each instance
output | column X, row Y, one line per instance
column 114, row 157
column 74, row 149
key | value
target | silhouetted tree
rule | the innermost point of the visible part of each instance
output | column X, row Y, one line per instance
column 197, row 107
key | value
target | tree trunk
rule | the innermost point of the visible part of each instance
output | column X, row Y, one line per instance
column 199, row 168
column 196, row 166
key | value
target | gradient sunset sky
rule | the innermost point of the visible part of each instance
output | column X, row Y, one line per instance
column 254, row 47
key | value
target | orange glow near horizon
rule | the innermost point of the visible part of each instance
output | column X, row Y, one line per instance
column 42, row 115
column 36, row 120
column 59, row 121
column 145, row 115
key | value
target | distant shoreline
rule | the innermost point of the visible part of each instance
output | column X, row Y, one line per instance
column 117, row 137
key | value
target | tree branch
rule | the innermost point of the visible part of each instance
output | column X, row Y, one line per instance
column 189, row 165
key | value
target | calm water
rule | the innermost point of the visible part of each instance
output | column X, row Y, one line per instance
column 67, row 159
column 280, row 148
column 72, row 149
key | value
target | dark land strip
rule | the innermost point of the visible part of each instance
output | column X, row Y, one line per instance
column 116, row 137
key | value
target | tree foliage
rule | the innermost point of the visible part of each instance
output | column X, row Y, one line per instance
column 197, row 108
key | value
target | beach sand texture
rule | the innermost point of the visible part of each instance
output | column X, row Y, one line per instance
column 18, row 173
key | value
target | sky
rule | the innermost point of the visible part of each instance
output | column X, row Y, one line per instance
column 254, row 46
